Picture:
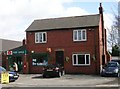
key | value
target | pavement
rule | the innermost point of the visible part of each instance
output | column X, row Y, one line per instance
column 36, row 80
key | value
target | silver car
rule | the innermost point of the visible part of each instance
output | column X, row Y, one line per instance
column 111, row 69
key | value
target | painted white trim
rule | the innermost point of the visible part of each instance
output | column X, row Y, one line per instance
column 77, row 60
column 81, row 30
column 38, row 34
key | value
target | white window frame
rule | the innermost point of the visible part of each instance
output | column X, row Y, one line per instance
column 75, row 32
column 37, row 37
column 77, row 60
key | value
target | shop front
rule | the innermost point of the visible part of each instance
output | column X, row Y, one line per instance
column 37, row 60
column 17, row 56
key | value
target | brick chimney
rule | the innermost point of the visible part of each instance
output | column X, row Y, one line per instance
column 24, row 42
column 103, row 34
column 100, row 9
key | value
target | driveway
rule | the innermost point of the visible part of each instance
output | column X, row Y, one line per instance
column 36, row 80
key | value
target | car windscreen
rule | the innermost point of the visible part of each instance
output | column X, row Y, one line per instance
column 116, row 61
column 50, row 66
column 112, row 65
column 2, row 69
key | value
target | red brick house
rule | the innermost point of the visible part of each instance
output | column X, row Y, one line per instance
column 78, row 43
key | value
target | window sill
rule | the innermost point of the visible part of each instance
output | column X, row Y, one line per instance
column 82, row 65
column 40, row 42
column 79, row 40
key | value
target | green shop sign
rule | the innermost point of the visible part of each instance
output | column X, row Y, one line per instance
column 19, row 52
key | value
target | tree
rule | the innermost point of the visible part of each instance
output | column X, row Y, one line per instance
column 115, row 51
column 117, row 26
column 117, row 23
column 114, row 31
column 112, row 36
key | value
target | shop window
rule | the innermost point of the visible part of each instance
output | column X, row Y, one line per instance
column 39, row 59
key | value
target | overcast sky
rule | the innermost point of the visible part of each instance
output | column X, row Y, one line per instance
column 17, row 15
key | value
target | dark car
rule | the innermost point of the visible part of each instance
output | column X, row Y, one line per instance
column 53, row 70
column 116, row 60
column 111, row 69
column 12, row 75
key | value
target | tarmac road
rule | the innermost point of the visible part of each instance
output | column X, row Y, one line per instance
column 36, row 80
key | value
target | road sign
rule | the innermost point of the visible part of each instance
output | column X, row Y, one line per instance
column 5, row 77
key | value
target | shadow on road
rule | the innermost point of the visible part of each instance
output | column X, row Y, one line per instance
column 37, row 77
column 41, row 77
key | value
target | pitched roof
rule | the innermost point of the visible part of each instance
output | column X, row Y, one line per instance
column 20, row 48
column 6, row 44
column 65, row 22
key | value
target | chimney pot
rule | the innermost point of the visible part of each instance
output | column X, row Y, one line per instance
column 100, row 9
column 24, row 42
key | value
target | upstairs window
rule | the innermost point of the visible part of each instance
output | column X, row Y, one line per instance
column 40, row 37
column 79, row 35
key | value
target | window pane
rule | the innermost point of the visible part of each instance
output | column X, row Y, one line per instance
column 40, row 37
column 84, row 34
column 75, row 35
column 44, row 37
column 81, row 59
column 36, row 37
column 87, row 59
column 79, row 35
column 74, row 59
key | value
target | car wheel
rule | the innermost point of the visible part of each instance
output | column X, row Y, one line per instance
column 102, row 75
column 44, row 76
column 11, row 80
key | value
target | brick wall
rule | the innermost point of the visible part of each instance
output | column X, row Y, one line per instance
column 63, row 39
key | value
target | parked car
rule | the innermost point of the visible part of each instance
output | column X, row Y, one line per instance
column 116, row 60
column 12, row 75
column 111, row 69
column 53, row 70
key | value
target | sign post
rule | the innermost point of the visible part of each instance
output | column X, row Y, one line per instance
column 5, row 77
